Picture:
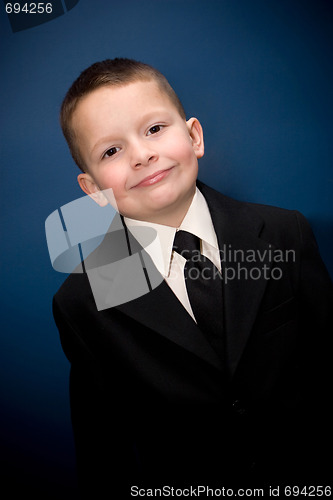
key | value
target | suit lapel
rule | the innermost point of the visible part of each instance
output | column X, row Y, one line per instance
column 161, row 311
column 238, row 228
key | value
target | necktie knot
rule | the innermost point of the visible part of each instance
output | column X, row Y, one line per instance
column 186, row 244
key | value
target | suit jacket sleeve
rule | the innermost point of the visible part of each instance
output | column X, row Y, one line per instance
column 315, row 285
column 311, row 434
column 101, row 434
column 316, row 299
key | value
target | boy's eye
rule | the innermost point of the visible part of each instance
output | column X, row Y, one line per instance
column 110, row 152
column 154, row 129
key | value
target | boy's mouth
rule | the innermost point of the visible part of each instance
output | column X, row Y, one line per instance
column 154, row 178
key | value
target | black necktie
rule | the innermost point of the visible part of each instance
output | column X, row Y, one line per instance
column 204, row 288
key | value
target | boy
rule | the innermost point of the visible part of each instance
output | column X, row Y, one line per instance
column 220, row 379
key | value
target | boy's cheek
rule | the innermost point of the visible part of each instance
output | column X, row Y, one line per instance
column 110, row 178
column 181, row 152
column 190, row 160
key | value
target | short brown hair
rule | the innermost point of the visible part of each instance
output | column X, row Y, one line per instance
column 110, row 72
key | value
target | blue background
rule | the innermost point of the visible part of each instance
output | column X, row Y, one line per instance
column 258, row 75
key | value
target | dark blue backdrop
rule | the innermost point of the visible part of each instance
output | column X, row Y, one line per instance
column 258, row 75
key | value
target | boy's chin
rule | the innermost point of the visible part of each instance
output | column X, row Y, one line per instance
column 170, row 212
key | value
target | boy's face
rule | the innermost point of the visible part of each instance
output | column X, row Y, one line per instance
column 133, row 140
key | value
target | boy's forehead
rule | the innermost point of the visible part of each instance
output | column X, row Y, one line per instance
column 148, row 90
column 131, row 99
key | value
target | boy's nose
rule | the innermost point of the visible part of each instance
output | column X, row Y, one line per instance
column 143, row 156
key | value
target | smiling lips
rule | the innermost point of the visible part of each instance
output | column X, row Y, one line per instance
column 154, row 178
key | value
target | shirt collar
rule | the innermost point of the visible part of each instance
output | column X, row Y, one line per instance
column 197, row 221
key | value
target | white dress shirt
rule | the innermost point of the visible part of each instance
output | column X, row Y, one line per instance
column 169, row 263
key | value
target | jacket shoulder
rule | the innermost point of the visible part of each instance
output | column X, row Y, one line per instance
column 244, row 210
column 74, row 292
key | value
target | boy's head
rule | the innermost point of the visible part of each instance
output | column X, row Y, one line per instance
column 127, row 130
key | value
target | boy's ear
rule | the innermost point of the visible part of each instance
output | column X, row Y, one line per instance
column 88, row 185
column 196, row 134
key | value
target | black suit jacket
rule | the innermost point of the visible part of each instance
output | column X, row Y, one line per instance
column 150, row 399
